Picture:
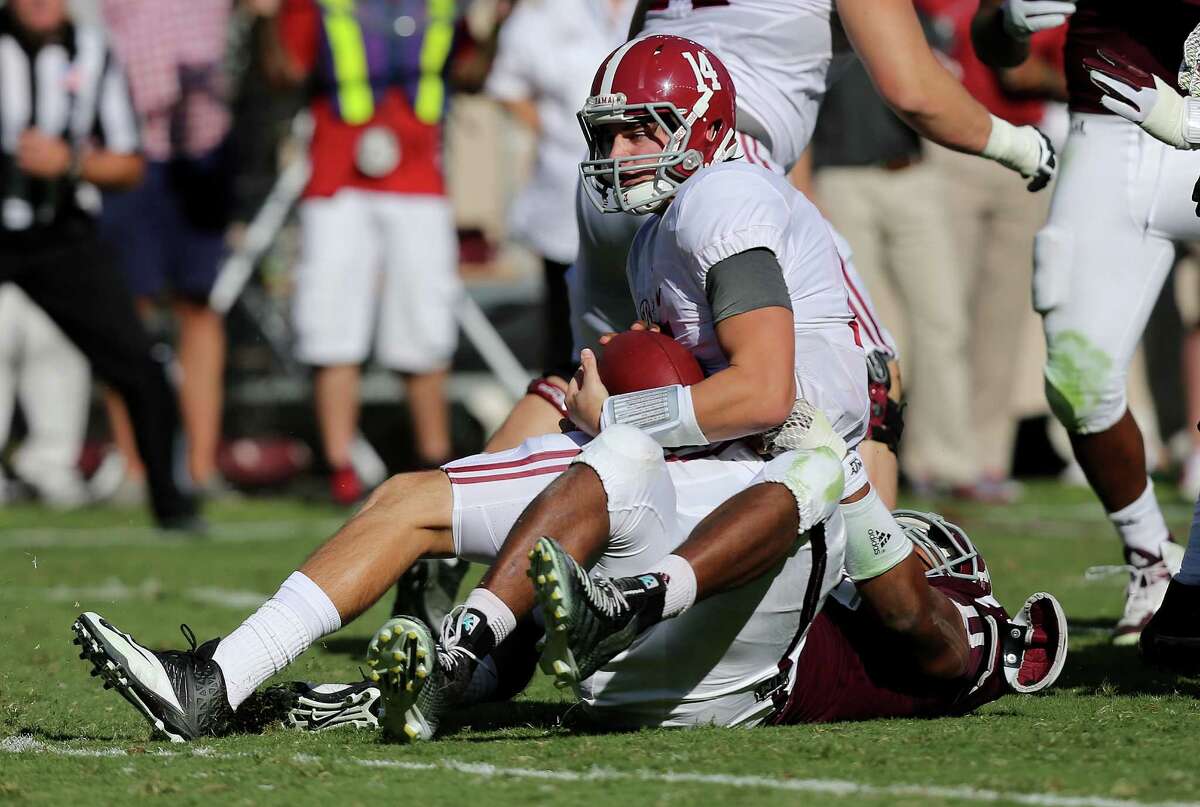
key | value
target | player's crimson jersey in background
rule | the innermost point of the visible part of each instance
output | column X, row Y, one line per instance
column 1150, row 33
column 846, row 673
column 781, row 54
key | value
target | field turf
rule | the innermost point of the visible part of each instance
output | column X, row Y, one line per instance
column 1111, row 733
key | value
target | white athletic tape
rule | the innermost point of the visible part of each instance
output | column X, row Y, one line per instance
column 24, row 744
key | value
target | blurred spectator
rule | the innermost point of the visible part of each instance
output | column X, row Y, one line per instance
column 993, row 220
column 49, row 377
column 81, row 133
column 874, row 186
column 543, row 88
column 375, row 201
column 169, row 232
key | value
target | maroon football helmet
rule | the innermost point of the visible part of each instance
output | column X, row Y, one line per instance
column 665, row 80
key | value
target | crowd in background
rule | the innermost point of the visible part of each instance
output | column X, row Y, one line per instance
column 465, row 170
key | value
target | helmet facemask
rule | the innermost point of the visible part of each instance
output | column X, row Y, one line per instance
column 945, row 548
column 606, row 178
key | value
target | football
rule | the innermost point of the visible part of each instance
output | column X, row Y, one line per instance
column 637, row 360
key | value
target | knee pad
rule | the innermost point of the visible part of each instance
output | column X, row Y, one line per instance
column 815, row 479
column 1084, row 388
column 634, row 475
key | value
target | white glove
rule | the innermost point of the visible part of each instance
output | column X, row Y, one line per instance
column 1024, row 149
column 1145, row 99
column 1025, row 17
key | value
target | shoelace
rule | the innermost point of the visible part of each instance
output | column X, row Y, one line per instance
column 190, row 635
column 449, row 653
column 610, row 600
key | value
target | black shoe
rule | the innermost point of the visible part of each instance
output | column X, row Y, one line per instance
column 589, row 620
column 1172, row 636
column 421, row 678
column 317, row 707
column 429, row 589
column 181, row 692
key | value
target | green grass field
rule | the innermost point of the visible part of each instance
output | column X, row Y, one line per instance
column 1112, row 732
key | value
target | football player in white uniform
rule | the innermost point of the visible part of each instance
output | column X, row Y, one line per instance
column 646, row 508
column 782, row 55
column 1122, row 201
column 740, row 268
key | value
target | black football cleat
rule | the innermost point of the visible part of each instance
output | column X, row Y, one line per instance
column 319, row 707
column 589, row 620
column 421, row 678
column 180, row 692
column 1171, row 638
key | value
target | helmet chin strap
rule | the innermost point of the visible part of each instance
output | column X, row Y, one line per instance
column 645, row 197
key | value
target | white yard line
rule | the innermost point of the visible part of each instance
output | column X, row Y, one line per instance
column 226, row 533
column 23, row 744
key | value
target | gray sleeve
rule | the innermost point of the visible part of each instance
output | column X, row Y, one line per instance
column 744, row 282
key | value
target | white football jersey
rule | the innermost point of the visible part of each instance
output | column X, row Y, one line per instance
column 782, row 54
column 730, row 208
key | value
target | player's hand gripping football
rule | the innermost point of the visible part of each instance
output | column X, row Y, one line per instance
column 586, row 394
column 1143, row 98
column 1023, row 18
column 640, row 325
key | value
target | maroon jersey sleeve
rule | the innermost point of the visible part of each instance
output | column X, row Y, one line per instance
column 844, row 672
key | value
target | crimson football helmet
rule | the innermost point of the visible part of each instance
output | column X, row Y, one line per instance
column 944, row 547
column 665, row 80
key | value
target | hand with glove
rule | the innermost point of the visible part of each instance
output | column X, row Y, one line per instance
column 1024, row 149
column 1023, row 18
column 1145, row 99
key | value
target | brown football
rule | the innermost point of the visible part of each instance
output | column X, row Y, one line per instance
column 638, row 360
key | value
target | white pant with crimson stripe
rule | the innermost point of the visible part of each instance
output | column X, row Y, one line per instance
column 717, row 662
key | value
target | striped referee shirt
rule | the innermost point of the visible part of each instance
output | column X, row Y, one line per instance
column 71, row 87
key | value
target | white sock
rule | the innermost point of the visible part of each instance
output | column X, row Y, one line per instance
column 1141, row 524
column 874, row 541
column 285, row 626
column 1189, row 573
column 500, row 617
column 681, row 585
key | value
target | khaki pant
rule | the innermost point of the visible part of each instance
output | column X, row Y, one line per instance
column 993, row 220
column 896, row 222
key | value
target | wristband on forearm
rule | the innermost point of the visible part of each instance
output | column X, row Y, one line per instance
column 666, row 414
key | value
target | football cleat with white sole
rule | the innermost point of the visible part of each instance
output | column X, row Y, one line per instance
column 180, row 692
column 1148, row 579
column 420, row 679
column 589, row 620
column 319, row 707
column 1034, row 648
